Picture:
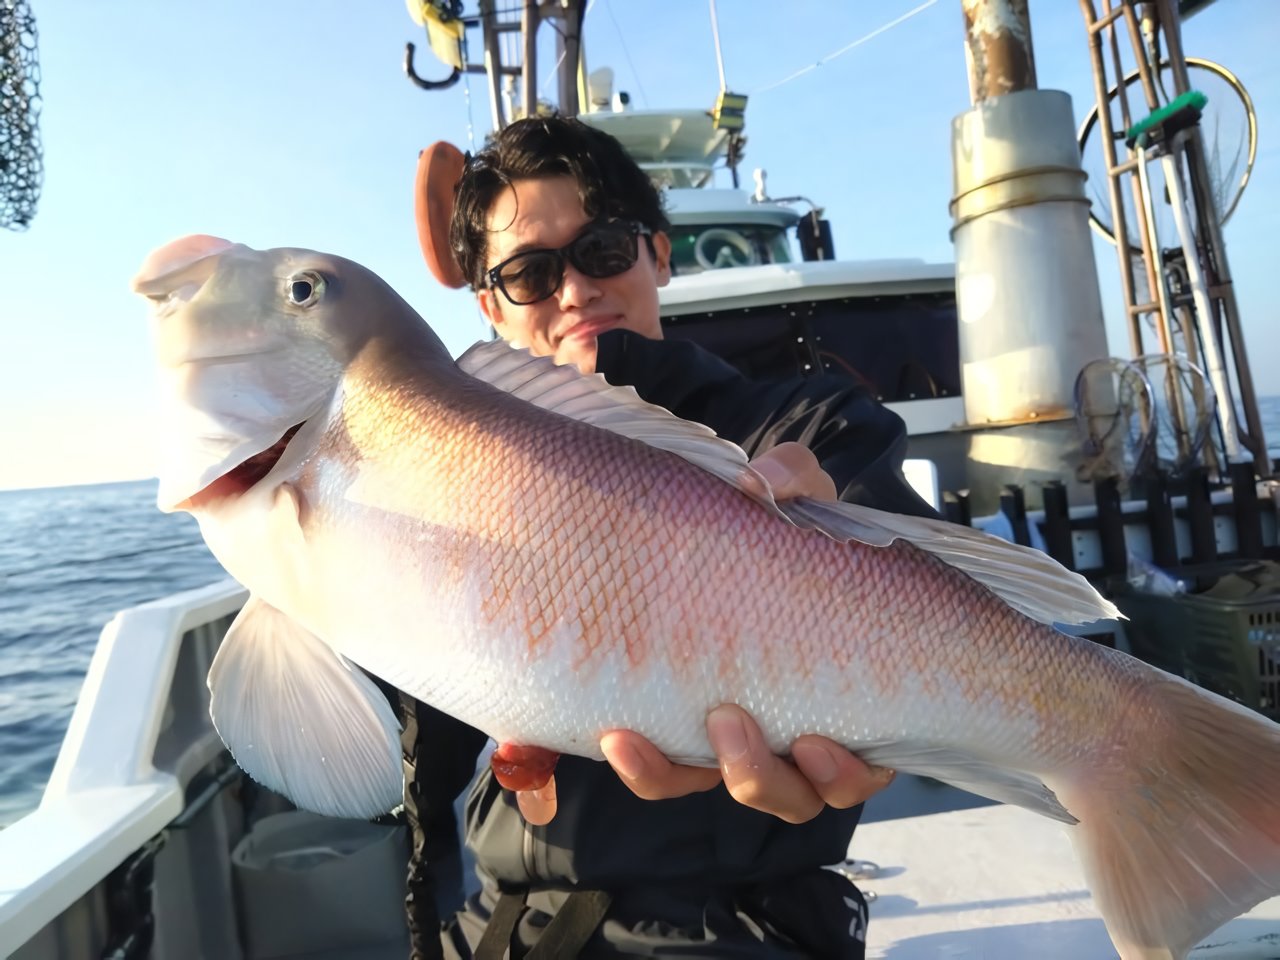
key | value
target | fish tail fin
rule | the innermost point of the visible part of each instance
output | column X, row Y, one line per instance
column 1181, row 833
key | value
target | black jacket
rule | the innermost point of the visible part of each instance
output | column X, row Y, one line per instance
column 705, row 839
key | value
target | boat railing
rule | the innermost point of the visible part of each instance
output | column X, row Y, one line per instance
column 126, row 762
column 686, row 174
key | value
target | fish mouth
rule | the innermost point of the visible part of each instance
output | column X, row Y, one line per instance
column 240, row 478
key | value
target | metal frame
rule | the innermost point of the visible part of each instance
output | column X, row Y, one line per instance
column 1216, row 315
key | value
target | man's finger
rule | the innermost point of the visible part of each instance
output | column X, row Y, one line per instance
column 538, row 806
column 793, row 471
column 840, row 778
column 754, row 775
column 649, row 774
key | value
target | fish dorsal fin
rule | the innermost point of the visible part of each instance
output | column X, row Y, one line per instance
column 302, row 720
column 1029, row 581
column 592, row 399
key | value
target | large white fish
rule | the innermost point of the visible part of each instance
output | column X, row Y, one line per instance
column 547, row 558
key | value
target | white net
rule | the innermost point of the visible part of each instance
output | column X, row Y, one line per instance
column 1228, row 127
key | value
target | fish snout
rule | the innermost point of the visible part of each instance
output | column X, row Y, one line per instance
column 184, row 263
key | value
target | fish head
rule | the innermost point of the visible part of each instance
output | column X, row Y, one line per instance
column 251, row 344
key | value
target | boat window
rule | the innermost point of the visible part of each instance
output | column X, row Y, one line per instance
column 716, row 246
column 902, row 347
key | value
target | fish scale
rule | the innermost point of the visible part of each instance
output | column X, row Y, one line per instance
column 713, row 582
column 546, row 557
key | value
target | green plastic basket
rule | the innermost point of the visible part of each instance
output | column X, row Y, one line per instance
column 1224, row 636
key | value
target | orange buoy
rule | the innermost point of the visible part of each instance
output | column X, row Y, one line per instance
column 439, row 170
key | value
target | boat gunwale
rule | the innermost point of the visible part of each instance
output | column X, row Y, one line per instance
column 106, row 797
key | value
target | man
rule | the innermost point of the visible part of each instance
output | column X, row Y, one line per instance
column 563, row 238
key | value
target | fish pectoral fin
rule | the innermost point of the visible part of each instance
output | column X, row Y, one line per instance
column 968, row 772
column 302, row 720
column 1030, row 581
column 592, row 399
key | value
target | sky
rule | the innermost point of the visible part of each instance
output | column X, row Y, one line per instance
column 290, row 123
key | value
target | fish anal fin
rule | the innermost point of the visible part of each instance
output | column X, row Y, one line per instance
column 302, row 720
column 967, row 772
column 523, row 768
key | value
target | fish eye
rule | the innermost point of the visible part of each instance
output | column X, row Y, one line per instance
column 303, row 289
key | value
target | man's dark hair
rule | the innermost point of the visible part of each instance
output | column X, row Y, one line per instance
column 610, row 183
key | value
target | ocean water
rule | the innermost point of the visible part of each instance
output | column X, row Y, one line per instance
column 70, row 558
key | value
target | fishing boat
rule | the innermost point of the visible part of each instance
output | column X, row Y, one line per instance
column 150, row 842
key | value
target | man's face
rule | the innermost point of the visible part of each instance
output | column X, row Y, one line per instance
column 547, row 213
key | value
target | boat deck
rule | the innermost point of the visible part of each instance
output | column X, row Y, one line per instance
column 1000, row 882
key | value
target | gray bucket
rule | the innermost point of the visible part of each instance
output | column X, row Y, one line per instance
column 307, row 885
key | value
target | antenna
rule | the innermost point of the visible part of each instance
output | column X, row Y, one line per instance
column 729, row 112
column 715, row 36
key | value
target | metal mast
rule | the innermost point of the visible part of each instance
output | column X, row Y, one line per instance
column 1026, row 284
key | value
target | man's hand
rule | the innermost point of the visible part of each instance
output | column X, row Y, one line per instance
column 820, row 773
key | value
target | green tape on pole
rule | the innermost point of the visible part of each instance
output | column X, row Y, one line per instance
column 1192, row 98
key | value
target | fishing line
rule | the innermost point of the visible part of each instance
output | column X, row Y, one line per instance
column 471, row 120
column 845, row 49
column 466, row 94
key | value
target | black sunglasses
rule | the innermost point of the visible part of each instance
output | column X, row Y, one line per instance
column 601, row 250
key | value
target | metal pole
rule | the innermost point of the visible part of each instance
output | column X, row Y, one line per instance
column 529, row 77
column 715, row 36
column 569, row 48
column 998, row 48
column 1219, row 280
column 492, row 61
column 1147, row 72
column 1165, row 326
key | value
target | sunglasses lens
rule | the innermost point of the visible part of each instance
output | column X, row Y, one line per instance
column 532, row 276
column 605, row 251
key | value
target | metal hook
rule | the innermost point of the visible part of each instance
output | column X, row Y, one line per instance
column 412, row 74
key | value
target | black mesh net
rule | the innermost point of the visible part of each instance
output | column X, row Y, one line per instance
column 21, row 170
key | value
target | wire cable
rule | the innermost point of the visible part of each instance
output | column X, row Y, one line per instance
column 565, row 52
column 845, row 49
column 644, row 100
